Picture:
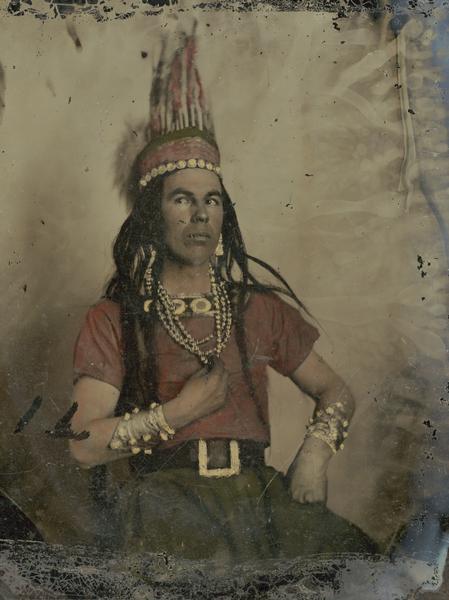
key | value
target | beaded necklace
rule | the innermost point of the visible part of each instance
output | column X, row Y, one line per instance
column 166, row 311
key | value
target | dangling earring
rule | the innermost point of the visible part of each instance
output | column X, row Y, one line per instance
column 148, row 278
column 152, row 251
column 219, row 249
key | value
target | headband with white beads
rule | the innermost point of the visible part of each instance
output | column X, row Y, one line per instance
column 191, row 163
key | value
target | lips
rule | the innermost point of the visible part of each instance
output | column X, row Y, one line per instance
column 201, row 237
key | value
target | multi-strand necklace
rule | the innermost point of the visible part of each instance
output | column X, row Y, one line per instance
column 167, row 313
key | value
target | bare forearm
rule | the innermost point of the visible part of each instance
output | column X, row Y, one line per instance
column 337, row 393
column 181, row 411
column 320, row 382
column 94, row 450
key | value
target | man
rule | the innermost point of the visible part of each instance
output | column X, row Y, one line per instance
column 170, row 367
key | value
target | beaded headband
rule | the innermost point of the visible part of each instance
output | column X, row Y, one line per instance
column 191, row 152
column 191, row 163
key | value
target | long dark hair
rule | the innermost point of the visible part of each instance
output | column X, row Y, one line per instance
column 142, row 228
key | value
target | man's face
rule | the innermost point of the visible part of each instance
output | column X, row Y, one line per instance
column 192, row 209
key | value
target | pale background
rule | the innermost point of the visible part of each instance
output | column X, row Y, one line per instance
column 292, row 95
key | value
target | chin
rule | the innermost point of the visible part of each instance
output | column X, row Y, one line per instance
column 192, row 259
column 197, row 261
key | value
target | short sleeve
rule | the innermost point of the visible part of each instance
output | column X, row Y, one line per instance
column 292, row 336
column 97, row 351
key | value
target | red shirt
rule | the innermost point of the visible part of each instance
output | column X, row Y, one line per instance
column 277, row 336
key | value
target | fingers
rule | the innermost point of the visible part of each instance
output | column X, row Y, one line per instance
column 218, row 372
column 217, row 365
column 214, row 365
column 211, row 363
column 206, row 371
column 311, row 498
column 200, row 373
column 309, row 495
column 211, row 380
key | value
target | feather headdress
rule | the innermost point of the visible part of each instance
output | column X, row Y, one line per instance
column 180, row 131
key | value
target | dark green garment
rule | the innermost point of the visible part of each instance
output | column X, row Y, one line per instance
column 245, row 517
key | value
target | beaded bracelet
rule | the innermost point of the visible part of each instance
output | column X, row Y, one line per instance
column 150, row 426
column 330, row 426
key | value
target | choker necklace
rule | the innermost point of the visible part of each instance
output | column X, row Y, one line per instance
column 197, row 304
column 168, row 310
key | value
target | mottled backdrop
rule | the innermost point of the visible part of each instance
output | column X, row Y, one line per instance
column 334, row 144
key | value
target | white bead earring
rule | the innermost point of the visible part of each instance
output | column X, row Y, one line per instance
column 219, row 251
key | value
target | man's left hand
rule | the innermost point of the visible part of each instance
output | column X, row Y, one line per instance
column 308, row 473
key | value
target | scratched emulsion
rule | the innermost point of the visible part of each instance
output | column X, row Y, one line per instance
column 334, row 143
column 36, row 570
column 103, row 10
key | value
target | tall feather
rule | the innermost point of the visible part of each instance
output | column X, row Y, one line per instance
column 174, row 89
column 189, row 58
column 155, row 123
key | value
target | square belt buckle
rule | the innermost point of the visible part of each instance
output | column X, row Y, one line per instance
column 233, row 469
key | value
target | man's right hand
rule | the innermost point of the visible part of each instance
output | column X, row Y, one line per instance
column 202, row 394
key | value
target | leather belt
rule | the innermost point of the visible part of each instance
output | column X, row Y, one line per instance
column 211, row 458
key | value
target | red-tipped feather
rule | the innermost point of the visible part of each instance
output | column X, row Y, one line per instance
column 174, row 88
column 190, row 51
column 201, row 98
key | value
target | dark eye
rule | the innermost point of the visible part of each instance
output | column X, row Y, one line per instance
column 181, row 199
column 214, row 200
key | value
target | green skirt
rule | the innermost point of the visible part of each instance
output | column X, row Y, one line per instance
column 246, row 517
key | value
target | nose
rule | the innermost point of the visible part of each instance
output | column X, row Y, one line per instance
column 200, row 214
